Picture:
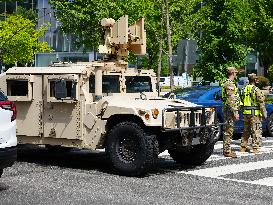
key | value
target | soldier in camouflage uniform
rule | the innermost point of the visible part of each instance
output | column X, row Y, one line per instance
column 253, row 111
column 231, row 104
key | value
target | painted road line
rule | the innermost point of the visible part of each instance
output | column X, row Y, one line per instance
column 215, row 172
column 215, row 157
column 165, row 153
column 265, row 181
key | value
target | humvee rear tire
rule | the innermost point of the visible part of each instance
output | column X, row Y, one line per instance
column 130, row 150
column 196, row 155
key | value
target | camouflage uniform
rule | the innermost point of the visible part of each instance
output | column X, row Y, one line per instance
column 231, row 100
column 253, row 121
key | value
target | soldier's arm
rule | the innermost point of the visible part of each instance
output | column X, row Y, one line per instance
column 261, row 101
column 232, row 98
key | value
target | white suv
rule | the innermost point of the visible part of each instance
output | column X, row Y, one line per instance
column 8, row 140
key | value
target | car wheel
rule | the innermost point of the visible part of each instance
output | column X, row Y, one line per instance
column 130, row 150
column 218, row 130
column 196, row 155
column 270, row 125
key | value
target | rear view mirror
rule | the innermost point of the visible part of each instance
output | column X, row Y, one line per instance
column 60, row 89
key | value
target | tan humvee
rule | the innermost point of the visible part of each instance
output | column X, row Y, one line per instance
column 105, row 104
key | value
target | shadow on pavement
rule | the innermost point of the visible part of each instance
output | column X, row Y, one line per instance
column 3, row 187
column 76, row 159
column 84, row 159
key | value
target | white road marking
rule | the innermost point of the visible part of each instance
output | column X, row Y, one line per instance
column 165, row 153
column 219, row 145
column 265, row 181
column 215, row 172
column 221, row 171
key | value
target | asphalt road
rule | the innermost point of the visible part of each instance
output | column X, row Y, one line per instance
column 81, row 177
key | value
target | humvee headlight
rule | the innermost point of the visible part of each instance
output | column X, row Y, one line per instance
column 144, row 113
column 147, row 116
column 212, row 109
column 155, row 113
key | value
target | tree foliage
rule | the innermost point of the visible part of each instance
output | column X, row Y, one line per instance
column 19, row 40
column 261, row 38
column 82, row 18
column 224, row 28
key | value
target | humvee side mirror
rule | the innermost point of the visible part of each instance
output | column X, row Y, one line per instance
column 60, row 89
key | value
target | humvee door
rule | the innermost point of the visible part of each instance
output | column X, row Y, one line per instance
column 62, row 109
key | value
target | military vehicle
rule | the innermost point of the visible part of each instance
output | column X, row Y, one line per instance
column 106, row 105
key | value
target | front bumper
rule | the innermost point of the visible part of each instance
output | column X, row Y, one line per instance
column 197, row 131
column 7, row 156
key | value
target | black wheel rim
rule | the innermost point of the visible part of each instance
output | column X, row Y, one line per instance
column 216, row 129
column 127, row 148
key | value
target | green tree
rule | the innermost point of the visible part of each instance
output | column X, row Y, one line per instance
column 82, row 19
column 225, row 27
column 27, row 13
column 19, row 40
column 261, row 38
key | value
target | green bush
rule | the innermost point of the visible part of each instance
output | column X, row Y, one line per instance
column 268, row 100
column 263, row 82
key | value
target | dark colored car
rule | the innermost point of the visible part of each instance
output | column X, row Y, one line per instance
column 212, row 96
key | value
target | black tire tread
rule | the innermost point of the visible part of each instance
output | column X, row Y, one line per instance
column 151, row 148
column 196, row 156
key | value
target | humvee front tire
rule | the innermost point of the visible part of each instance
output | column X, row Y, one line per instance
column 130, row 150
column 196, row 155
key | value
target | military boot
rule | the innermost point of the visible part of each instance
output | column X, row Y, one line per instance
column 256, row 151
column 244, row 149
column 231, row 154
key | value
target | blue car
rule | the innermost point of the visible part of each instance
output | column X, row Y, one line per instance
column 212, row 96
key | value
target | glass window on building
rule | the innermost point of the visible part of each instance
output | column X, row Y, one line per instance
column 10, row 7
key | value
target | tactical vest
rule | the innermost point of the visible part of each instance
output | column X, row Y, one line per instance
column 224, row 94
column 250, row 102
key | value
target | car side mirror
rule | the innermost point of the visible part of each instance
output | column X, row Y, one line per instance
column 60, row 89
column 172, row 96
column 217, row 96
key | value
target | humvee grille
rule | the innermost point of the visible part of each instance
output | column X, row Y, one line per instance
column 182, row 117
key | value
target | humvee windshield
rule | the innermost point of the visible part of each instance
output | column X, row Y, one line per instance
column 136, row 84
column 110, row 84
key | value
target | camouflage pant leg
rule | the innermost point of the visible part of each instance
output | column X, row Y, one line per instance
column 252, row 127
column 247, row 131
column 228, row 130
column 257, row 132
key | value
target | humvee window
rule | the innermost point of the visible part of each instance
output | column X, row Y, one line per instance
column 136, row 84
column 17, row 87
column 63, row 89
column 110, row 84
